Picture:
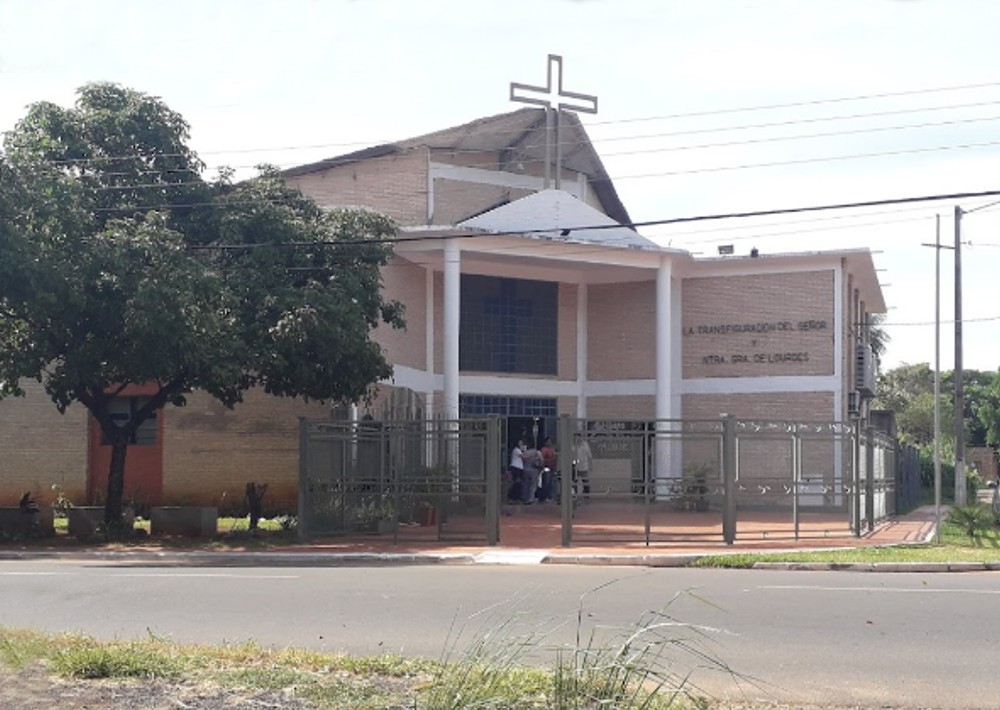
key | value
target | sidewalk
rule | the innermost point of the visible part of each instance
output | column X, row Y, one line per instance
column 536, row 540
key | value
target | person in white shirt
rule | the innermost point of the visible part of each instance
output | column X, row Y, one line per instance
column 582, row 457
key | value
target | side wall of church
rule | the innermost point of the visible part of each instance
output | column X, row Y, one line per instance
column 210, row 452
column 406, row 282
column 41, row 448
column 395, row 185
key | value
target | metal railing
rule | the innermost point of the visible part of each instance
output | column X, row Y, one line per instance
column 649, row 481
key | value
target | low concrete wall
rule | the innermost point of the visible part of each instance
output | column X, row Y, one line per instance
column 14, row 522
column 85, row 519
column 187, row 521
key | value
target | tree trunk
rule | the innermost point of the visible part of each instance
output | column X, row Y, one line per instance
column 116, row 484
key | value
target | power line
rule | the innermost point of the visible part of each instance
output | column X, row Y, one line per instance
column 984, row 319
column 598, row 227
column 568, row 142
column 797, row 121
column 672, row 173
column 815, row 102
column 804, row 136
column 806, row 161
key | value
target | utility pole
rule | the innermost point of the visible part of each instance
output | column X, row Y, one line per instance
column 960, row 493
column 938, row 246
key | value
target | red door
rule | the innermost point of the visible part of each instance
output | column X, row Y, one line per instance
column 144, row 461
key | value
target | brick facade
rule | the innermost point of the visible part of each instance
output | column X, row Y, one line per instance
column 621, row 331
column 41, row 448
column 759, row 325
column 210, row 452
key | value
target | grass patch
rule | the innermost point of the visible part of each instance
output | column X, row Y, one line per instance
column 640, row 667
column 85, row 658
column 956, row 546
column 19, row 648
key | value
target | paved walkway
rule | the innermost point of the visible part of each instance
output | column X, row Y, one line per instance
column 535, row 538
column 532, row 536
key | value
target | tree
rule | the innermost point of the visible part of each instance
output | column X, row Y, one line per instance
column 878, row 336
column 988, row 412
column 121, row 265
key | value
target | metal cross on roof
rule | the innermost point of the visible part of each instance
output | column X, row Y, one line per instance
column 561, row 100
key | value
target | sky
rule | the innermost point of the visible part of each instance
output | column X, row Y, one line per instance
column 708, row 107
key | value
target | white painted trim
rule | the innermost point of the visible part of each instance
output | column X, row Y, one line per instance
column 430, row 190
column 452, row 299
column 664, row 336
column 500, row 385
column 623, row 388
column 759, row 385
column 676, row 348
column 429, row 319
column 753, row 267
column 838, row 342
column 480, row 176
column 581, row 349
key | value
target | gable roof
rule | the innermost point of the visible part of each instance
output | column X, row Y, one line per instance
column 556, row 214
column 518, row 135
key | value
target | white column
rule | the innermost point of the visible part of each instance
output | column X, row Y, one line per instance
column 663, row 339
column 429, row 335
column 452, row 301
column 429, row 394
column 664, row 371
column 581, row 350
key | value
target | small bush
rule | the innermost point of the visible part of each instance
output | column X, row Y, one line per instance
column 974, row 520
column 134, row 660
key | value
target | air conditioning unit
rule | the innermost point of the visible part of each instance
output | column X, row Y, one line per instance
column 864, row 371
column 854, row 404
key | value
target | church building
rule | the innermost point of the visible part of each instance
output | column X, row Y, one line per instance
column 528, row 294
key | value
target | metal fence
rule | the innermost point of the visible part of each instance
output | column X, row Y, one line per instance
column 411, row 479
column 648, row 481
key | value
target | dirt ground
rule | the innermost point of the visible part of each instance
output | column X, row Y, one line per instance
column 33, row 688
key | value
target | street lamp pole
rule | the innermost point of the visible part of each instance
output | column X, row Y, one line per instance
column 960, row 491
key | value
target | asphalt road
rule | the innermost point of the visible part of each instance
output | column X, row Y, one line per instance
column 869, row 639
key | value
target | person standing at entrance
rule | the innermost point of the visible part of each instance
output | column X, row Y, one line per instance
column 582, row 458
column 532, row 470
column 550, row 468
column 517, row 483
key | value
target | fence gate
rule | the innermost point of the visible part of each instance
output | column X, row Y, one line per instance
column 415, row 480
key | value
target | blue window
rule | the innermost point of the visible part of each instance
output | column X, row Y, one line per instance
column 508, row 325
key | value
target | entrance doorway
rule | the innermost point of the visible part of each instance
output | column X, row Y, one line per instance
column 529, row 418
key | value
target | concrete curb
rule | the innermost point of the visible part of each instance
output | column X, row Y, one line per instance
column 926, row 567
column 248, row 559
column 679, row 560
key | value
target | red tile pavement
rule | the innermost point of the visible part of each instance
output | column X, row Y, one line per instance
column 621, row 531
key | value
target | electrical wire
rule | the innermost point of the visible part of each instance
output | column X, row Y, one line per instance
column 598, row 227
column 814, row 102
column 567, row 143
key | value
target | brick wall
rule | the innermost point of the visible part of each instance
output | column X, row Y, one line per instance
column 41, row 447
column 405, row 281
column 621, row 331
column 566, row 345
column 985, row 460
column 395, row 185
column 766, row 457
column 456, row 200
column 210, row 452
column 621, row 407
column 791, row 312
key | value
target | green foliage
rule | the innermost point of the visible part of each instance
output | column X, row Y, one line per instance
column 908, row 390
column 974, row 520
column 121, row 265
column 988, row 412
column 87, row 659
